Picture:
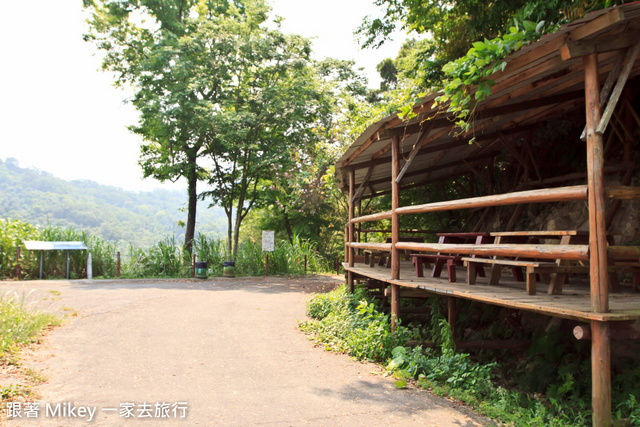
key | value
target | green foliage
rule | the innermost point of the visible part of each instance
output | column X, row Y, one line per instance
column 19, row 325
column 164, row 259
column 353, row 325
column 350, row 323
column 13, row 233
column 473, row 70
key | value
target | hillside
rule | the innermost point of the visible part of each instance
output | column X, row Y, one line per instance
column 108, row 212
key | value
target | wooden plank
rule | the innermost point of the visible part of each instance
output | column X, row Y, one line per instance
column 373, row 246
column 601, row 23
column 568, row 252
column 573, row 49
column 541, row 233
column 509, row 262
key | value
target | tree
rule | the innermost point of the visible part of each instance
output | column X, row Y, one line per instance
column 275, row 104
column 167, row 51
column 449, row 27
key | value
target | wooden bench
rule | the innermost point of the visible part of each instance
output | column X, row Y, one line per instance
column 533, row 268
column 385, row 256
column 370, row 257
column 438, row 260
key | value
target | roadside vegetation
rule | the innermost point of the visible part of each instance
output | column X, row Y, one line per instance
column 544, row 386
column 20, row 326
column 166, row 258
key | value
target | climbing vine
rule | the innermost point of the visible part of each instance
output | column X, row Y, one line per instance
column 473, row 70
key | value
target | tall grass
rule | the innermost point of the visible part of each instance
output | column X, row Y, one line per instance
column 164, row 259
column 13, row 233
column 18, row 325
column 288, row 258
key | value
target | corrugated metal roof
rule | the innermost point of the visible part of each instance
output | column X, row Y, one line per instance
column 537, row 84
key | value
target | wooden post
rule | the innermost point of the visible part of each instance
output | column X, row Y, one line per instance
column 453, row 315
column 395, row 306
column 395, row 204
column 601, row 373
column 596, row 191
column 352, row 185
column 305, row 265
column 600, row 345
column 266, row 264
column 193, row 267
column 395, row 230
column 117, row 264
column 17, row 262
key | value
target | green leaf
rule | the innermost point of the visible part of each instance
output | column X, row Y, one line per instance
column 479, row 46
column 400, row 383
column 529, row 26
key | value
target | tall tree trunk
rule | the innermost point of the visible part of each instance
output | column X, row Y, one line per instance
column 189, row 234
column 236, row 233
column 230, row 231
column 287, row 225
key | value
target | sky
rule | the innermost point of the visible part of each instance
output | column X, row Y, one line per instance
column 60, row 114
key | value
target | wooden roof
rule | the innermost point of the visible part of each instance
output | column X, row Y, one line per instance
column 542, row 80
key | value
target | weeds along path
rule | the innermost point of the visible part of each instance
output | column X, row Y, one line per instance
column 223, row 351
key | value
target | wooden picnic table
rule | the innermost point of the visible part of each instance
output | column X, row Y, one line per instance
column 440, row 260
column 564, row 237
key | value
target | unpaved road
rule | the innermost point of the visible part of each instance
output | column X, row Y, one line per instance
column 215, row 352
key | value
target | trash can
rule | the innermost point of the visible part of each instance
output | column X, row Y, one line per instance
column 201, row 270
column 229, row 269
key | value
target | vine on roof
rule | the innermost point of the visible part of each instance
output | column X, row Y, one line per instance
column 473, row 70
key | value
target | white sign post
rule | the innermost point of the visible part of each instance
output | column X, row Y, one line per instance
column 268, row 245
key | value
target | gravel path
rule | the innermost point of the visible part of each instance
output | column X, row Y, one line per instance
column 214, row 352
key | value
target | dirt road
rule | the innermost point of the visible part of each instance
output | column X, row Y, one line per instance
column 215, row 352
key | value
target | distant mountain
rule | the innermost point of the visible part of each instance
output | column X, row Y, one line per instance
column 111, row 213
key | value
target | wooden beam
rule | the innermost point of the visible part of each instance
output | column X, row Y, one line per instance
column 629, row 62
column 578, row 48
column 601, row 23
column 414, row 152
column 619, row 331
column 608, row 85
column 622, row 192
column 485, row 113
column 363, row 184
column 578, row 192
column 438, row 167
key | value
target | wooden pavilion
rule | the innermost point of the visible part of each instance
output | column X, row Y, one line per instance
column 590, row 66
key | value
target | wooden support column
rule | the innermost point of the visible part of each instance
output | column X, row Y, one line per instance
column 601, row 364
column 600, row 347
column 395, row 229
column 352, row 184
column 453, row 315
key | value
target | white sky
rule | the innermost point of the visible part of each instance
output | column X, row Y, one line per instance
column 60, row 114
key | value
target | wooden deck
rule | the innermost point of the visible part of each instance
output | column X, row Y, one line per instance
column 574, row 303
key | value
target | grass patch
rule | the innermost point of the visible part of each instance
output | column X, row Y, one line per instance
column 354, row 324
column 20, row 326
